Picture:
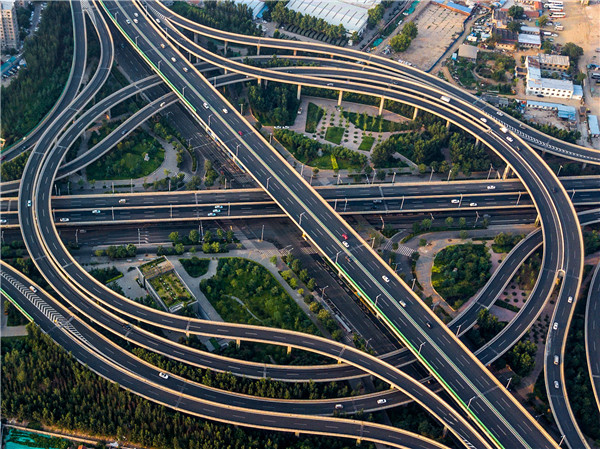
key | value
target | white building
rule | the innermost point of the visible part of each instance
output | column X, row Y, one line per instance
column 548, row 87
column 9, row 29
column 352, row 14
column 256, row 6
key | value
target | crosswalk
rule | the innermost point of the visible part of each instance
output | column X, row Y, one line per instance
column 48, row 311
column 402, row 249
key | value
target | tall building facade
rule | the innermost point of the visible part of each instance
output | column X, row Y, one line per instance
column 9, row 29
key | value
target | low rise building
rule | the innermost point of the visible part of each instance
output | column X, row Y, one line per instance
column 548, row 87
column 553, row 63
column 593, row 125
column 529, row 40
column 468, row 51
column 564, row 112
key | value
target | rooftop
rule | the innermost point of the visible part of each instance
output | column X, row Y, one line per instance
column 336, row 12
column 553, row 59
column 530, row 39
column 593, row 125
column 564, row 111
column 530, row 30
column 468, row 51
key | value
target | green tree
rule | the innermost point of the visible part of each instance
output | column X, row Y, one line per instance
column 543, row 20
column 194, row 236
column 449, row 221
column 174, row 237
column 573, row 51
column 462, row 222
column 514, row 26
column 516, row 12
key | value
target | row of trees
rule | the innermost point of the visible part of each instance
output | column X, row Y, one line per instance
column 117, row 252
column 226, row 16
column 38, row 86
column 41, row 382
column 305, row 149
column 401, row 41
column 281, row 14
column 13, row 169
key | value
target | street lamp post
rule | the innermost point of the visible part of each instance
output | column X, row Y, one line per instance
column 376, row 299
column 336, row 257
column 268, row 182
column 489, row 172
column 345, row 204
column 159, row 64
column 209, row 120
column 460, row 201
column 469, row 404
column 420, row 346
column 300, row 219
column 518, row 199
column 183, row 91
column 559, row 169
column 402, row 204
column 431, row 175
column 458, row 330
column 393, row 178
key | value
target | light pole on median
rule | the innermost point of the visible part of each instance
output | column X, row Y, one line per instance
column 508, row 383
column 431, row 175
column 237, row 150
column 518, row 199
column 420, row 346
column 562, row 438
column 300, row 219
column 458, row 330
column 413, row 284
column 209, row 120
column 490, row 171
column 268, row 182
column 573, row 194
column 402, row 204
column 136, row 38
column 323, row 291
column 460, row 201
column 159, row 64
column 345, row 203
column 377, row 298
column 559, row 169
column 76, row 238
column 393, row 178
column 336, row 257
column 183, row 91
column 469, row 404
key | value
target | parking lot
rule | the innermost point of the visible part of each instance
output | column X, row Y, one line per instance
column 437, row 29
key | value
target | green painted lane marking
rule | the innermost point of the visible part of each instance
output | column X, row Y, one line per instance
column 13, row 302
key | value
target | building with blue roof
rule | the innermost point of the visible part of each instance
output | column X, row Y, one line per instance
column 593, row 125
column 564, row 112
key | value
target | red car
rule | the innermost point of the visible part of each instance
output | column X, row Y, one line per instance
column 345, row 236
column 240, row 133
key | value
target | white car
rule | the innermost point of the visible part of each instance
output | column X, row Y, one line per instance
column 173, row 59
column 218, row 206
column 211, row 214
column 556, row 385
column 345, row 243
column 33, row 289
column 455, row 201
column 126, row 21
column 510, row 139
column 381, row 401
column 96, row 211
column 216, row 211
column 163, row 375
column 402, row 303
column 385, row 278
column 206, row 106
column 491, row 187
column 555, row 325
column 499, row 113
column 64, row 220
column 483, row 119
column 570, row 300
column 185, row 69
column 135, row 20
column 28, row 203
column 162, row 45
column 136, row 14
column 473, row 204
column 3, row 221
column 225, row 111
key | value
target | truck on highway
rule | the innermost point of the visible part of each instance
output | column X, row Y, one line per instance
column 445, row 98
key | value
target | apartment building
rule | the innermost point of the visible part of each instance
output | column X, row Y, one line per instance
column 9, row 29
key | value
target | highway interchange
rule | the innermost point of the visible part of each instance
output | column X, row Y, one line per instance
column 485, row 404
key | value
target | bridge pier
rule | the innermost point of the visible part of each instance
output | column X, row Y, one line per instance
column 295, row 51
column 506, row 173
column 415, row 114
column 340, row 98
column 447, row 124
column 238, row 343
column 258, row 50
column 225, row 48
column 299, row 91
column 289, row 350
column 584, row 165
column 477, row 142
column 537, row 220
column 195, row 38
column 381, row 106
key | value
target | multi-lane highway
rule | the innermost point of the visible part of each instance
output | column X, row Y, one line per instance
column 319, row 223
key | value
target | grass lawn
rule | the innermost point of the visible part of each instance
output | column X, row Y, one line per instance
column 243, row 291
column 367, row 143
column 335, row 134
column 313, row 115
column 195, row 267
column 127, row 160
column 170, row 289
column 459, row 271
column 325, row 163
column 376, row 123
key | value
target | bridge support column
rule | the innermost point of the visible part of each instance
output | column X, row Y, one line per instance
column 289, row 350
column 537, row 221
column 238, row 342
column 584, row 165
column 258, row 50
column 259, row 81
column 195, row 38
column 297, row 433
column 415, row 114
column 225, row 48
column 381, row 106
column 295, row 51
column 506, row 173
column 299, row 91
column 447, row 124
column 340, row 98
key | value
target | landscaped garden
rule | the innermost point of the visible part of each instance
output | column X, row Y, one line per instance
column 243, row 291
column 377, row 123
column 334, row 134
column 170, row 289
column 314, row 114
column 135, row 157
column 459, row 271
